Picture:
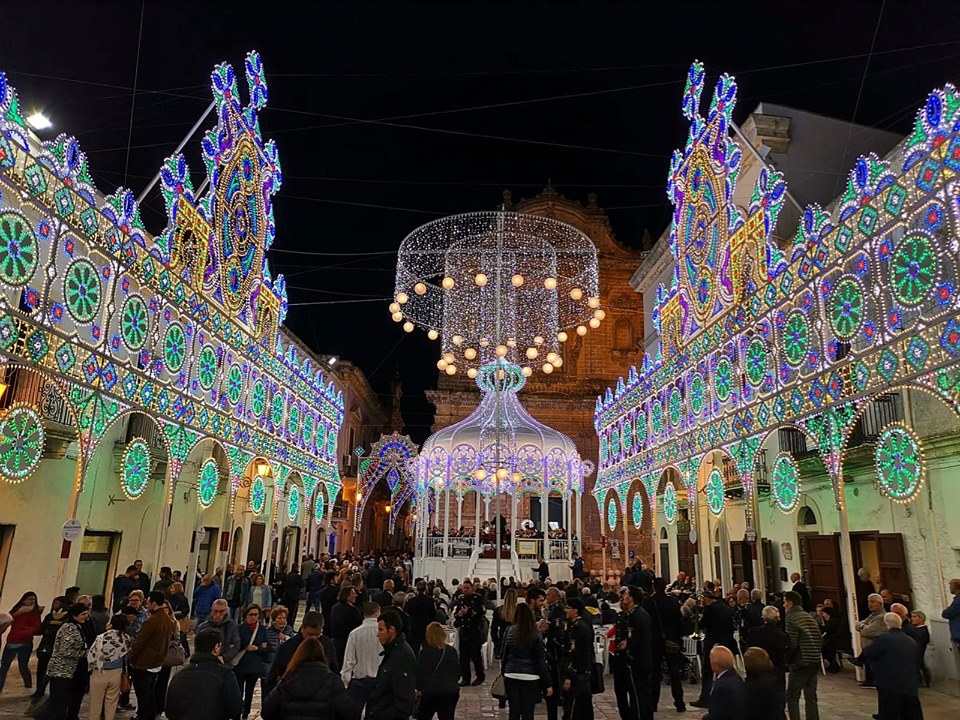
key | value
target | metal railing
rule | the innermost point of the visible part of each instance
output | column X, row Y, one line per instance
column 33, row 389
column 558, row 549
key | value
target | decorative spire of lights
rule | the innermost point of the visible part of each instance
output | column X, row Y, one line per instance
column 497, row 285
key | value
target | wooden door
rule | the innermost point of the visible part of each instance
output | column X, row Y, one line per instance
column 893, row 564
column 768, row 563
column 741, row 562
column 822, row 568
column 685, row 554
column 255, row 546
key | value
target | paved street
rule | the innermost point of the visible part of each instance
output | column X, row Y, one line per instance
column 839, row 698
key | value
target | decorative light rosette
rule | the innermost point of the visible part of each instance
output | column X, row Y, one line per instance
column 19, row 251
column 714, row 492
column 135, row 469
column 785, row 486
column 293, row 503
column 208, row 483
column 901, row 467
column 21, row 443
column 612, row 514
column 258, row 495
column 670, row 503
column 318, row 507
column 637, row 508
column 81, row 289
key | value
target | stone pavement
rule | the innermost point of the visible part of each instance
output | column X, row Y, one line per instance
column 839, row 697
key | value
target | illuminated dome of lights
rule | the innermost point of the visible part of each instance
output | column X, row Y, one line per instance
column 497, row 284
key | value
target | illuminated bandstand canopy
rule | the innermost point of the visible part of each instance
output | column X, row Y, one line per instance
column 497, row 285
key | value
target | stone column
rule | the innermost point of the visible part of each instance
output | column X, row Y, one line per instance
column 446, row 522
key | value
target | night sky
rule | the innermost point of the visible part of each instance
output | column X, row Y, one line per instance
column 389, row 115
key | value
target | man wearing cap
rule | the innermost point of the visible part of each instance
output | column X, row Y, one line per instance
column 632, row 661
column 716, row 622
column 578, row 703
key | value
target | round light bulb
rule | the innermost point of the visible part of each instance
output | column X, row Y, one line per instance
column 501, row 473
column 594, row 302
column 576, row 293
column 538, row 340
column 451, row 369
column 470, row 353
column 394, row 307
column 449, row 358
column 456, row 339
column 550, row 283
column 511, row 343
column 562, row 336
column 447, row 283
column 581, row 330
column 594, row 323
column 397, row 316
column 420, row 289
column 480, row 279
column 441, row 364
column 501, row 350
column 532, row 353
column 516, row 477
column 480, row 474
column 501, row 374
column 433, row 334
column 552, row 357
column 408, row 326
column 517, row 280
column 402, row 298
column 558, row 362
column 472, row 373
column 547, row 368
column 599, row 314
column 484, row 342
column 527, row 372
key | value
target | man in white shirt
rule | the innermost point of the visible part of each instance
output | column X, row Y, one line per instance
column 361, row 659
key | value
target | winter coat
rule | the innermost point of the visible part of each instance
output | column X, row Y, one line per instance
column 311, row 692
column 765, row 696
column 51, row 624
column 204, row 690
column 229, row 638
column 803, row 639
column 230, row 590
column 438, row 671
column 273, row 639
column 253, row 662
column 529, row 659
column 392, row 696
column 26, row 625
column 68, row 649
column 203, row 597
column 152, row 643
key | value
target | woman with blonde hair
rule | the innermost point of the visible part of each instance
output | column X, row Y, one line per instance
column 309, row 689
column 765, row 695
column 437, row 675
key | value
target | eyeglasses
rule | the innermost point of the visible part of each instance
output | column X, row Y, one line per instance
column 253, row 613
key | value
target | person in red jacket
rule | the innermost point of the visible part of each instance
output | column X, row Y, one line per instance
column 27, row 621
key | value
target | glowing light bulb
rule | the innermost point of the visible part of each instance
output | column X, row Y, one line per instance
column 516, row 477
column 441, row 364
column 599, row 314
column 581, row 330
column 538, row 340
column 558, row 362
column 448, row 283
column 451, row 369
column 484, row 342
column 394, row 307
column 472, row 373
column 527, row 372
column 449, row 358
column 517, row 280
column 480, row 474
column 550, row 283
column 562, row 336
column 456, row 339
column 501, row 350
column 420, row 289
column 594, row 302
column 402, row 298
column 408, row 326
column 594, row 323
column 397, row 316
column 511, row 343
column 501, row 473
column 433, row 334
column 547, row 368
column 576, row 293
column 532, row 353
column 552, row 358
column 470, row 353
column 480, row 279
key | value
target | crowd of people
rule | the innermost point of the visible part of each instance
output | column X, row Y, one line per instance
column 372, row 639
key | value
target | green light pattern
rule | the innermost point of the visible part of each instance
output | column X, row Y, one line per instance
column 714, row 492
column 136, row 469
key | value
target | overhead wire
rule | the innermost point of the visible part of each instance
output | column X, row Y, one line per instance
column 133, row 98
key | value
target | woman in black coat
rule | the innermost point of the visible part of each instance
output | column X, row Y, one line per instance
column 836, row 638
column 308, row 690
column 344, row 617
column 437, row 675
column 256, row 651
column 523, row 660
column 765, row 694
column 772, row 640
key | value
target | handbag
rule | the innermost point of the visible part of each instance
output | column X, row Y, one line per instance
column 499, row 688
column 176, row 656
column 125, row 685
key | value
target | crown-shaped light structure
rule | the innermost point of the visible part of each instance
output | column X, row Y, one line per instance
column 497, row 285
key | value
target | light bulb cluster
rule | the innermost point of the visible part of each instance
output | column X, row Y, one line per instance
column 498, row 285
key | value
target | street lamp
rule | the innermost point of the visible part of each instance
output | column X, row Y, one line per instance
column 39, row 121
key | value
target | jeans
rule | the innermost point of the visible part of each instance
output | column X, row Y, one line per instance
column 444, row 706
column 144, row 685
column 803, row 679
column 522, row 696
column 313, row 601
column 20, row 651
column 359, row 690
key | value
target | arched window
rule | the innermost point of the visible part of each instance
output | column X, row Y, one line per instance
column 623, row 335
column 806, row 516
column 663, row 533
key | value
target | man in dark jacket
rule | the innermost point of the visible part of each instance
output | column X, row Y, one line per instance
column 393, row 697
column 374, row 578
column 292, row 585
column 727, row 699
column 422, row 611
column 631, row 662
column 384, row 598
column 716, row 622
column 889, row 655
column 205, row 689
column 666, row 629
column 123, row 585
column 314, row 586
column 312, row 627
column 578, row 663
column 328, row 598
column 470, row 615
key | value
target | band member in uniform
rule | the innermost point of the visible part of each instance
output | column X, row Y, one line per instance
column 631, row 678
column 469, row 613
column 554, row 631
column 578, row 701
